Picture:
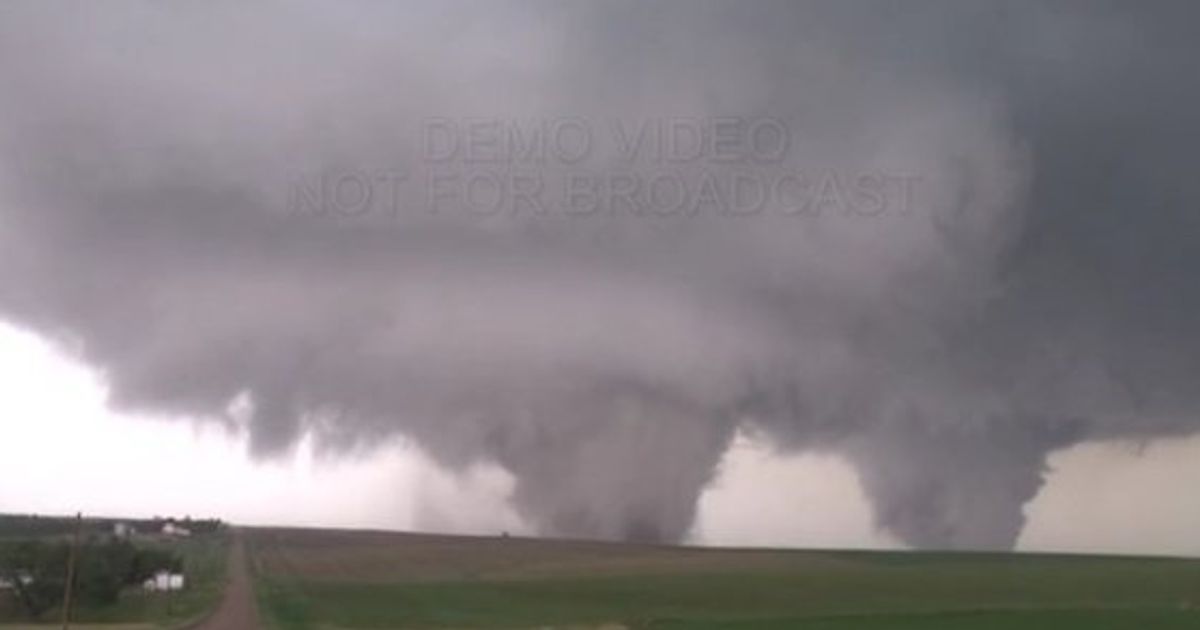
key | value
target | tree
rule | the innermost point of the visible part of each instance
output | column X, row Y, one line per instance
column 36, row 571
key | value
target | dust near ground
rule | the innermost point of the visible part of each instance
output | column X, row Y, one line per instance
column 238, row 609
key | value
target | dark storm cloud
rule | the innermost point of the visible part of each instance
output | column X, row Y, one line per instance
column 1039, row 291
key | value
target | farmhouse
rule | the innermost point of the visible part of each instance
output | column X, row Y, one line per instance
column 7, row 585
column 171, row 529
column 164, row 581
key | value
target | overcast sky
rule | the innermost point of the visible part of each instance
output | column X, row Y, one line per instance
column 916, row 274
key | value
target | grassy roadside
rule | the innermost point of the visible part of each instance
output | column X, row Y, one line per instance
column 281, row 604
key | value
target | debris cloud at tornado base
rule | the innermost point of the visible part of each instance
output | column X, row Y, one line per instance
column 975, row 242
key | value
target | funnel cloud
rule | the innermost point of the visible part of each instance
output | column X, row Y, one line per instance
column 592, row 244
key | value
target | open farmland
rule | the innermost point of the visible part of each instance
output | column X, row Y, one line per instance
column 310, row 579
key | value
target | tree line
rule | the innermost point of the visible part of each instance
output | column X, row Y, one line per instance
column 31, row 525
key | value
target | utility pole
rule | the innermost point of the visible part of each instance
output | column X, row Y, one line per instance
column 170, row 578
column 70, row 585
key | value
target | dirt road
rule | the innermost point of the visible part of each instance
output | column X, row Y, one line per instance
column 238, row 609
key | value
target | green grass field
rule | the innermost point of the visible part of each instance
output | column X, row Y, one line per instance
column 314, row 579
